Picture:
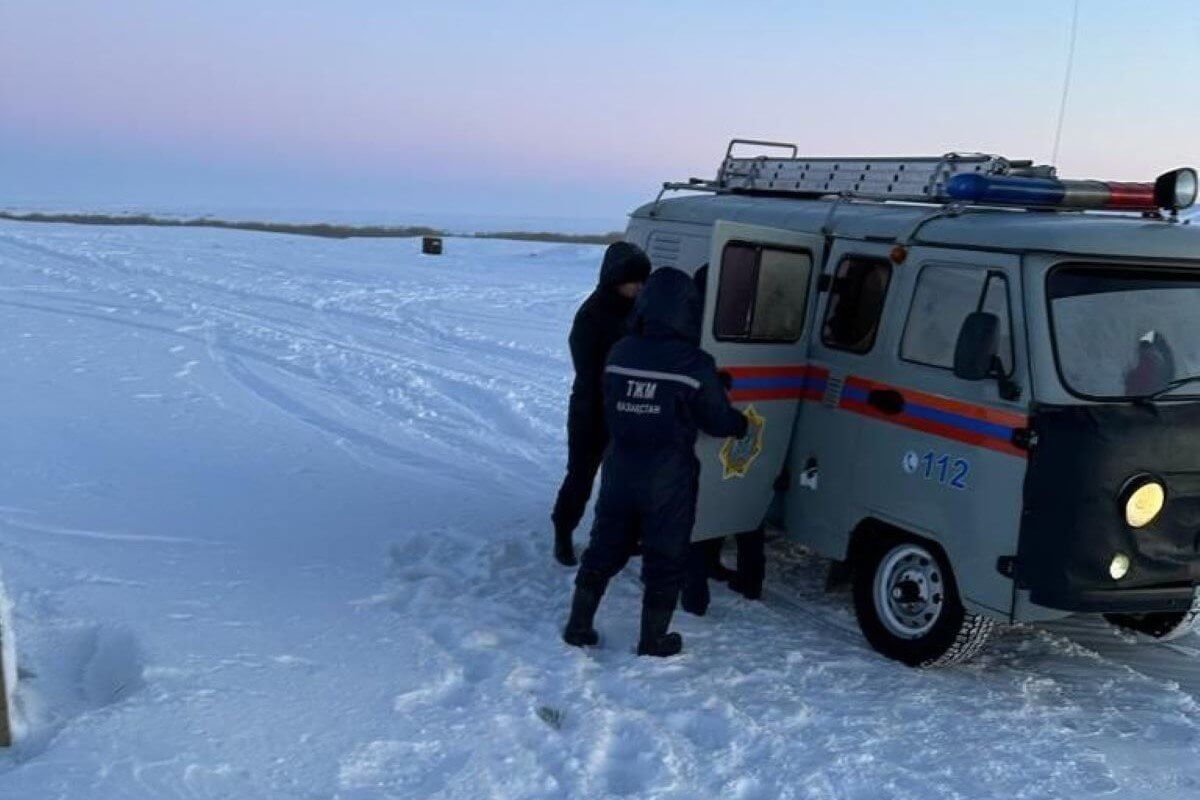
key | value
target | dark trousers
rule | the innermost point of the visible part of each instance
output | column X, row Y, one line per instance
column 657, row 506
column 705, row 556
column 585, row 451
column 751, row 562
column 701, row 559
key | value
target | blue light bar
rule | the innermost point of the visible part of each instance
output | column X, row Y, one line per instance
column 1002, row 190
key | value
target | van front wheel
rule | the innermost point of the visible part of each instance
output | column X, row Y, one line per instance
column 1164, row 626
column 908, row 606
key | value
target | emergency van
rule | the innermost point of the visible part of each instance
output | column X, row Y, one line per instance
column 972, row 385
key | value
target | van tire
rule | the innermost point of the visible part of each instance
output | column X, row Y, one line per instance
column 1164, row 626
column 935, row 629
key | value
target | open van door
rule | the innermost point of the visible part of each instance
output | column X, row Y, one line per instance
column 757, row 312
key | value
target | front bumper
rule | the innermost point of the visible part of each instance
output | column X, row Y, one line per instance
column 1139, row 600
column 1073, row 519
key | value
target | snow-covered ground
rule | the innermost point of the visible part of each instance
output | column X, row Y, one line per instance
column 273, row 518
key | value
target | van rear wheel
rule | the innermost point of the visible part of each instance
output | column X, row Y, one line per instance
column 908, row 606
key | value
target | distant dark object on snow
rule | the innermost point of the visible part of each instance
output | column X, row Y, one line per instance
column 431, row 245
column 308, row 229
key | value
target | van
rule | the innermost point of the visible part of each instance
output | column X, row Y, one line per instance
column 972, row 386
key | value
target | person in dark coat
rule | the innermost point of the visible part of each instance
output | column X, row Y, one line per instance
column 704, row 558
column 599, row 323
column 660, row 391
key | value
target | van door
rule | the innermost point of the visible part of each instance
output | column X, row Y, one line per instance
column 825, row 499
column 756, row 317
column 941, row 458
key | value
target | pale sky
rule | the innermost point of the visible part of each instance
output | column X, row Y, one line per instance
column 573, row 109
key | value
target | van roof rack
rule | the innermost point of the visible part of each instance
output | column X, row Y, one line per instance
column 912, row 179
column 972, row 178
column 920, row 179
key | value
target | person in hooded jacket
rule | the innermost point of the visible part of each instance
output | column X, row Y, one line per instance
column 660, row 391
column 599, row 323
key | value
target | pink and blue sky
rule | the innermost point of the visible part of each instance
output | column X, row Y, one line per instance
column 571, row 109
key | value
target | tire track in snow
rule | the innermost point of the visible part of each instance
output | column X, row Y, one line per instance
column 440, row 388
column 97, row 536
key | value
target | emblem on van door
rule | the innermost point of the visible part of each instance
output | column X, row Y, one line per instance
column 737, row 455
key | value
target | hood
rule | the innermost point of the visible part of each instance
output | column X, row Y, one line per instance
column 669, row 306
column 623, row 263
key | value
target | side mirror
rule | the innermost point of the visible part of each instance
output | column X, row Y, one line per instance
column 975, row 353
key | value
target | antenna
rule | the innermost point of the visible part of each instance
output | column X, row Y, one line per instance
column 1062, row 106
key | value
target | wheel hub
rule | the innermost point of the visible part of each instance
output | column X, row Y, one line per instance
column 909, row 591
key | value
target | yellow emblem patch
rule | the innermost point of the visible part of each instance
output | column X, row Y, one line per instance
column 737, row 455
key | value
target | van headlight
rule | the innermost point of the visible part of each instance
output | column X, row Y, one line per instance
column 1143, row 501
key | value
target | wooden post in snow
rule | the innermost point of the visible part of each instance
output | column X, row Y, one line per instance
column 6, row 733
column 8, row 669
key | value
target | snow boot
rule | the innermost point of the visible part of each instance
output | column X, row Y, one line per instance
column 747, row 580
column 695, row 596
column 580, row 630
column 657, row 608
column 564, row 548
column 748, row 588
column 716, row 570
column 694, row 600
column 721, row 573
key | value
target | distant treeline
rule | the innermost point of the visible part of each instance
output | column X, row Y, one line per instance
column 307, row 229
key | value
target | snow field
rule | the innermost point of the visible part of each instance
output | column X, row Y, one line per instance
column 274, row 521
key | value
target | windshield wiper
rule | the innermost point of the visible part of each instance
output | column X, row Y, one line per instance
column 1172, row 386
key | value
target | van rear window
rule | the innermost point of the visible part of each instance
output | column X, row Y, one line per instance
column 762, row 293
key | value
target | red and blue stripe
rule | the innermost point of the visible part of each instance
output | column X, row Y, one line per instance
column 789, row 382
column 968, row 423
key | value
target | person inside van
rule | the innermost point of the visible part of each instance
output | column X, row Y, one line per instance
column 599, row 323
column 660, row 391
column 1153, row 366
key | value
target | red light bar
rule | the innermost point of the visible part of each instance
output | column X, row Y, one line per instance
column 1130, row 196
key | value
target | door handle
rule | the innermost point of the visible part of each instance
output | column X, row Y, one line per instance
column 889, row 401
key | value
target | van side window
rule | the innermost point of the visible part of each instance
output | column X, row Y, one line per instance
column 856, row 304
column 943, row 298
column 762, row 293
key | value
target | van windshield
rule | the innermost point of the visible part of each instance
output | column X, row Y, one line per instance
column 1125, row 332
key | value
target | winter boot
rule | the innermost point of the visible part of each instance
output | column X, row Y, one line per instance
column 751, row 565
column 657, row 608
column 589, row 588
column 564, row 548
column 716, row 570
column 721, row 573
column 747, row 587
column 695, row 597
